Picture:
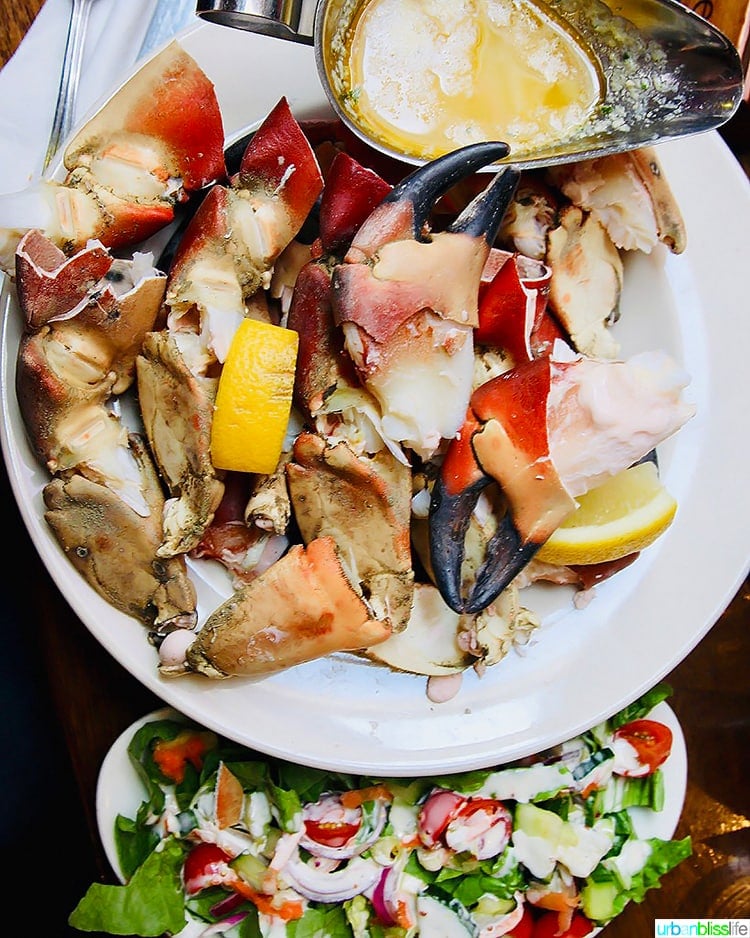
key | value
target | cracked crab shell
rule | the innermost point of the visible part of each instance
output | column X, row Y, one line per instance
column 363, row 503
column 303, row 607
column 114, row 547
column 171, row 101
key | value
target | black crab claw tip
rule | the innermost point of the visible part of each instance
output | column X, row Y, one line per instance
column 449, row 521
column 505, row 557
column 425, row 185
column 483, row 215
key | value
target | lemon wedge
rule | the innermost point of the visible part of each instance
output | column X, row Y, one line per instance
column 254, row 398
column 623, row 515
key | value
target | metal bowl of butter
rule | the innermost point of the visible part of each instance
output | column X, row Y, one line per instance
column 557, row 80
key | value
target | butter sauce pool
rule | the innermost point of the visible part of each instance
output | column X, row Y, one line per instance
column 428, row 76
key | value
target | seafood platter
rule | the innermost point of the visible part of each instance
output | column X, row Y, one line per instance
column 454, row 356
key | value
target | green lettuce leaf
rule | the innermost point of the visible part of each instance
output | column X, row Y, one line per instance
column 149, row 905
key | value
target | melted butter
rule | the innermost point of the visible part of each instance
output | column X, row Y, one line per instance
column 427, row 76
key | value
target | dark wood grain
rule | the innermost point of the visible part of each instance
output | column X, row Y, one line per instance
column 92, row 699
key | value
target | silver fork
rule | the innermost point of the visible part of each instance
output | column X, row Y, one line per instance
column 69, row 77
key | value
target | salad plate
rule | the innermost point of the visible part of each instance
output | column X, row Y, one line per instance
column 121, row 793
column 120, row 789
column 345, row 713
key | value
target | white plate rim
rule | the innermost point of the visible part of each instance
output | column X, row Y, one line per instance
column 343, row 713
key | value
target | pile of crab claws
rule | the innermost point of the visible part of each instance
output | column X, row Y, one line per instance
column 230, row 245
column 159, row 138
column 504, row 439
column 223, row 261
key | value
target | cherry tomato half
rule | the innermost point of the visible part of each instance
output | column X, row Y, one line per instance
column 525, row 928
column 548, row 924
column 651, row 740
column 482, row 826
column 329, row 823
column 205, row 865
column 436, row 813
column 330, row 833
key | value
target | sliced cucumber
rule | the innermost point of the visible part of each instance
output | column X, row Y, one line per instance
column 438, row 920
column 598, row 901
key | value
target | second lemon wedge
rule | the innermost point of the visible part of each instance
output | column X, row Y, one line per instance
column 623, row 515
column 254, row 398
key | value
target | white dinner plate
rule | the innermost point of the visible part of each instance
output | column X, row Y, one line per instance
column 583, row 664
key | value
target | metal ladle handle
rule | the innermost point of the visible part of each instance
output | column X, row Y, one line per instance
column 278, row 18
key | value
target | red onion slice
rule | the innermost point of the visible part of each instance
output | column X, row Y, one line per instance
column 351, row 880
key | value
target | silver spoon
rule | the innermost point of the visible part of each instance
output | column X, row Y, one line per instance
column 69, row 78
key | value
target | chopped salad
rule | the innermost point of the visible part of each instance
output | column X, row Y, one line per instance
column 232, row 844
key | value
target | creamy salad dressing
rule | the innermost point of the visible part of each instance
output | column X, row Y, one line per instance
column 431, row 75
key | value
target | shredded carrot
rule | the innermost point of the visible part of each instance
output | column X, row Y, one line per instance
column 556, row 902
column 403, row 915
column 353, row 799
column 172, row 755
column 287, row 910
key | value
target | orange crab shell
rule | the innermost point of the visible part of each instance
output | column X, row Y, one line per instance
column 50, row 284
column 174, row 102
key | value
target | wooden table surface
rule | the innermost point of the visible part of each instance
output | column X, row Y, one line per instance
column 83, row 700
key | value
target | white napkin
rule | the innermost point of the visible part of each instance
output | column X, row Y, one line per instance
column 29, row 80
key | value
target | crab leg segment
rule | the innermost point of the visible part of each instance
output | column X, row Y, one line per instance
column 407, row 300
column 159, row 138
column 545, row 431
column 364, row 504
column 114, row 547
column 303, row 607
column 86, row 318
column 351, row 194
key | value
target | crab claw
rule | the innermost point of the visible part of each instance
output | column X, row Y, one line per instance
column 407, row 299
column 157, row 139
column 352, row 191
column 93, row 525
column 363, row 503
column 230, row 246
column 86, row 318
column 546, row 431
column 513, row 312
column 301, row 608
